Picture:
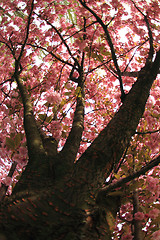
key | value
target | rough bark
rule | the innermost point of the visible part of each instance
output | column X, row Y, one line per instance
column 55, row 197
column 66, row 207
column 107, row 149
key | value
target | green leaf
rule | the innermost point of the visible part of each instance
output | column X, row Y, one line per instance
column 116, row 193
column 42, row 116
column 72, row 16
column 63, row 102
column 93, row 55
column 110, row 220
column 17, row 139
column 54, row 109
column 104, row 52
column 67, row 93
column 48, row 119
column 100, row 58
column 45, row 118
column 10, row 143
column 19, row 14
column 78, row 92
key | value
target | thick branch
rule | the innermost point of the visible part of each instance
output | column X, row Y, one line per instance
column 37, row 165
column 123, row 181
column 72, row 144
column 38, row 171
column 4, row 188
column 107, row 149
column 132, row 74
column 34, row 141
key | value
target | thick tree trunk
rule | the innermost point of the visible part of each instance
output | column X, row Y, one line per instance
column 46, row 206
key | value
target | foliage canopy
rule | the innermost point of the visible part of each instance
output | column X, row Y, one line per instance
column 79, row 110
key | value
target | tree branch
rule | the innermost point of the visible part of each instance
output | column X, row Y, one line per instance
column 137, row 230
column 107, row 149
column 109, row 40
column 27, row 31
column 72, row 144
column 34, row 141
column 61, row 37
column 52, row 54
column 4, row 188
column 148, row 132
column 111, row 187
column 151, row 49
column 38, row 165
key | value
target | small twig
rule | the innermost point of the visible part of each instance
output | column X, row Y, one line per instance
column 27, row 32
column 125, row 180
column 61, row 37
column 50, row 52
column 84, row 38
column 148, row 132
column 59, row 78
column 151, row 49
column 122, row 160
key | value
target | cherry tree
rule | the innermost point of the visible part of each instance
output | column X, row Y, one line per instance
column 79, row 110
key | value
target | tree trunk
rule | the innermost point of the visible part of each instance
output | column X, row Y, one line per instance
column 61, row 203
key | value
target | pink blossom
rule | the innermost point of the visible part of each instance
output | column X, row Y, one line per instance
column 139, row 216
column 56, row 129
column 17, row 158
column 152, row 183
column 68, row 85
column 82, row 45
column 53, row 97
column 156, row 235
column 23, row 151
column 126, row 207
column 7, row 181
column 128, row 217
column 127, row 237
column 152, row 199
column 22, row 163
column 154, row 213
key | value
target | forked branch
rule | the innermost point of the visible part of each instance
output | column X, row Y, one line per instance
column 61, row 37
column 151, row 49
column 110, row 43
column 72, row 144
column 120, row 183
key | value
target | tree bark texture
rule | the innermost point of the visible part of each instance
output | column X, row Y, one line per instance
column 56, row 197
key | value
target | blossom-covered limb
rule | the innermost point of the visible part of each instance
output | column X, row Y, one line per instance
column 122, row 181
column 107, row 149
